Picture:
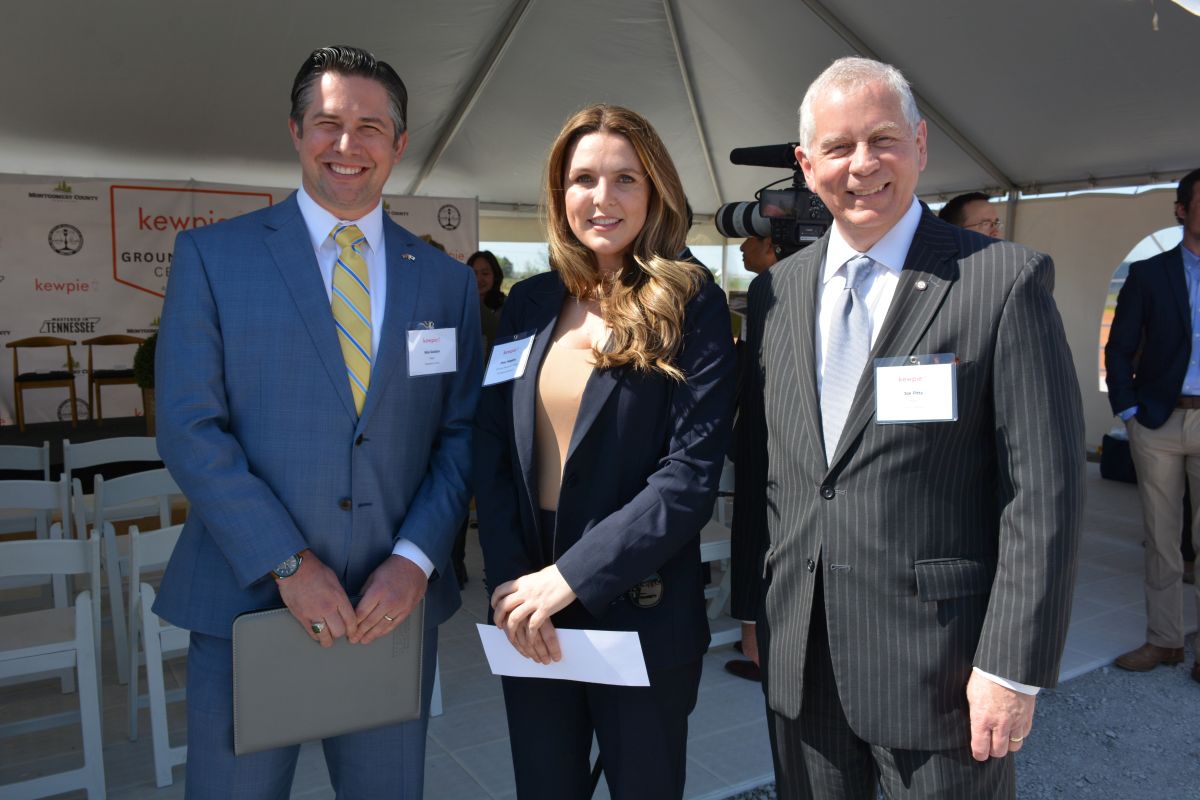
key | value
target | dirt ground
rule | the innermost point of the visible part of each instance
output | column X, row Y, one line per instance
column 1110, row 735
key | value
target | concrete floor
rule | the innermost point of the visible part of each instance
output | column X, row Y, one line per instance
column 468, row 751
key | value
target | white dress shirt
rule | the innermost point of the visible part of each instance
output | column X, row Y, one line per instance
column 320, row 224
column 889, row 254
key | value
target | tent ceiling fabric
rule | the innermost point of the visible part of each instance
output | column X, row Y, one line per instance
column 1049, row 92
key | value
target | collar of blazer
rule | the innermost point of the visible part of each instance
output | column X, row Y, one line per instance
column 545, row 299
column 288, row 241
column 930, row 269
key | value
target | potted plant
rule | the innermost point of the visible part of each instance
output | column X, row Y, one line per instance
column 143, row 373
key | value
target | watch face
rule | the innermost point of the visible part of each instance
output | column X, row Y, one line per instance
column 288, row 567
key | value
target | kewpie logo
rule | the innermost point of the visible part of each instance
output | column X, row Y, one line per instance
column 431, row 339
column 64, row 287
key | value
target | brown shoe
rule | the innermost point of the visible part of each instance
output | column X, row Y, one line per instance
column 744, row 668
column 1196, row 672
column 1149, row 656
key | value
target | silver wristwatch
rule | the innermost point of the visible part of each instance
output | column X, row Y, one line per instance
column 287, row 568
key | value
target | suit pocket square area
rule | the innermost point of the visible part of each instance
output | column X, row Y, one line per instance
column 947, row 578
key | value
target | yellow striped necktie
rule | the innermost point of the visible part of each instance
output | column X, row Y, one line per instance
column 352, row 309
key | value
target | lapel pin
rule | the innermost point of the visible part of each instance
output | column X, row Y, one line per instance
column 922, row 286
column 409, row 257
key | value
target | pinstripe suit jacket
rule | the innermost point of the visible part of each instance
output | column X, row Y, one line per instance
column 941, row 545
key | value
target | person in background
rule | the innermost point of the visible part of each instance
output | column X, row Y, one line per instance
column 489, row 278
column 597, row 467
column 974, row 211
column 758, row 254
column 1153, row 377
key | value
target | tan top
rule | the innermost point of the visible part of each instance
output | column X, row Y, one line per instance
column 563, row 376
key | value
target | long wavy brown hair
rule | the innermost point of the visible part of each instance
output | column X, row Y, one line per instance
column 642, row 304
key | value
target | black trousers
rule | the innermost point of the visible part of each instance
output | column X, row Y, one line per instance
column 641, row 732
column 819, row 756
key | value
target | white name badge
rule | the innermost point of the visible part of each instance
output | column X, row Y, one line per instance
column 508, row 360
column 916, row 389
column 432, row 351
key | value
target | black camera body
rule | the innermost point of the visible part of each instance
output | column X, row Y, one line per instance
column 793, row 218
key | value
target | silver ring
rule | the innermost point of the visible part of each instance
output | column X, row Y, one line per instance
column 1016, row 739
column 389, row 619
column 317, row 627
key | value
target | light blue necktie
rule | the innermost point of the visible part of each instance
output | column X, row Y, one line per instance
column 846, row 355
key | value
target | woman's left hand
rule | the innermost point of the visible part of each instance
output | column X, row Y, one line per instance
column 531, row 600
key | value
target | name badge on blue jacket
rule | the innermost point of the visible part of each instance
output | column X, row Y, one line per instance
column 431, row 351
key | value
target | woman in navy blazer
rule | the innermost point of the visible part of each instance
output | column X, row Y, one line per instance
column 596, row 523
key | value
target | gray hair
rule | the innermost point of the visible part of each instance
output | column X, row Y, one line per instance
column 852, row 73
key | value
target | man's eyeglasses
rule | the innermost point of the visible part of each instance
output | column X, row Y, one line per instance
column 986, row 224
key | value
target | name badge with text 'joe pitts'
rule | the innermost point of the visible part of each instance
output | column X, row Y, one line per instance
column 916, row 389
column 431, row 351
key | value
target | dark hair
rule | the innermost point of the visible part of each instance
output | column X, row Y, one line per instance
column 353, row 61
column 1185, row 190
column 954, row 213
column 493, row 298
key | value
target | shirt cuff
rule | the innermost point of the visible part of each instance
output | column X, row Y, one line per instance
column 1128, row 413
column 406, row 549
column 1023, row 688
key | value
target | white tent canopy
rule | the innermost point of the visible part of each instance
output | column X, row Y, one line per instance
column 1026, row 93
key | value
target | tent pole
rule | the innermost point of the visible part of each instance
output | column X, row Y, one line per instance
column 1010, row 213
column 685, row 75
column 465, row 103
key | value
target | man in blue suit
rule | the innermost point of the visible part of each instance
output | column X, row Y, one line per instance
column 321, row 460
column 1153, row 376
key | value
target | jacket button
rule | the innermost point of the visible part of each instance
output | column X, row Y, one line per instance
column 812, row 565
column 344, row 504
column 827, row 492
column 359, row 440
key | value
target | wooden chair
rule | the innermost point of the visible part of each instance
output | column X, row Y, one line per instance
column 35, row 643
column 52, row 379
column 107, row 377
column 159, row 640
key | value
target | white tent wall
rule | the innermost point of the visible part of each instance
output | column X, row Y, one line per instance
column 1088, row 236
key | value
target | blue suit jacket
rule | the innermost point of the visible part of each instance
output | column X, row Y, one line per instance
column 1150, row 341
column 639, row 477
column 257, row 424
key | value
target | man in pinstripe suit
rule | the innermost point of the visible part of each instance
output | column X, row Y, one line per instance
column 912, row 581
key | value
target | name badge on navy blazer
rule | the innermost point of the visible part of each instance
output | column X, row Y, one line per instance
column 509, row 357
column 431, row 351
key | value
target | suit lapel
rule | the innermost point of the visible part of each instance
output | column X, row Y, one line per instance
column 799, row 292
column 403, row 287
column 930, row 269
column 543, row 315
column 1178, row 289
column 291, row 249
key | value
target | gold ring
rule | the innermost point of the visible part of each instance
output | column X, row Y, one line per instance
column 1016, row 739
column 317, row 627
column 389, row 619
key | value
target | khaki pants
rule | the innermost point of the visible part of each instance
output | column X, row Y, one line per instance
column 1164, row 458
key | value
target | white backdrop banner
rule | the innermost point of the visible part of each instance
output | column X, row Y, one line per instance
column 81, row 258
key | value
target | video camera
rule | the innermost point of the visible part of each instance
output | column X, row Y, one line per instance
column 793, row 218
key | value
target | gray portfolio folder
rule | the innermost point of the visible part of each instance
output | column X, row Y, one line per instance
column 288, row 689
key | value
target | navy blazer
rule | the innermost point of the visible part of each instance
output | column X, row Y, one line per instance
column 1150, row 341
column 639, row 479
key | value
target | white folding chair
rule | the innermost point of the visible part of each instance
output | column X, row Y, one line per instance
column 36, row 643
column 20, row 458
column 117, row 450
column 39, row 500
column 159, row 640
column 142, row 494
